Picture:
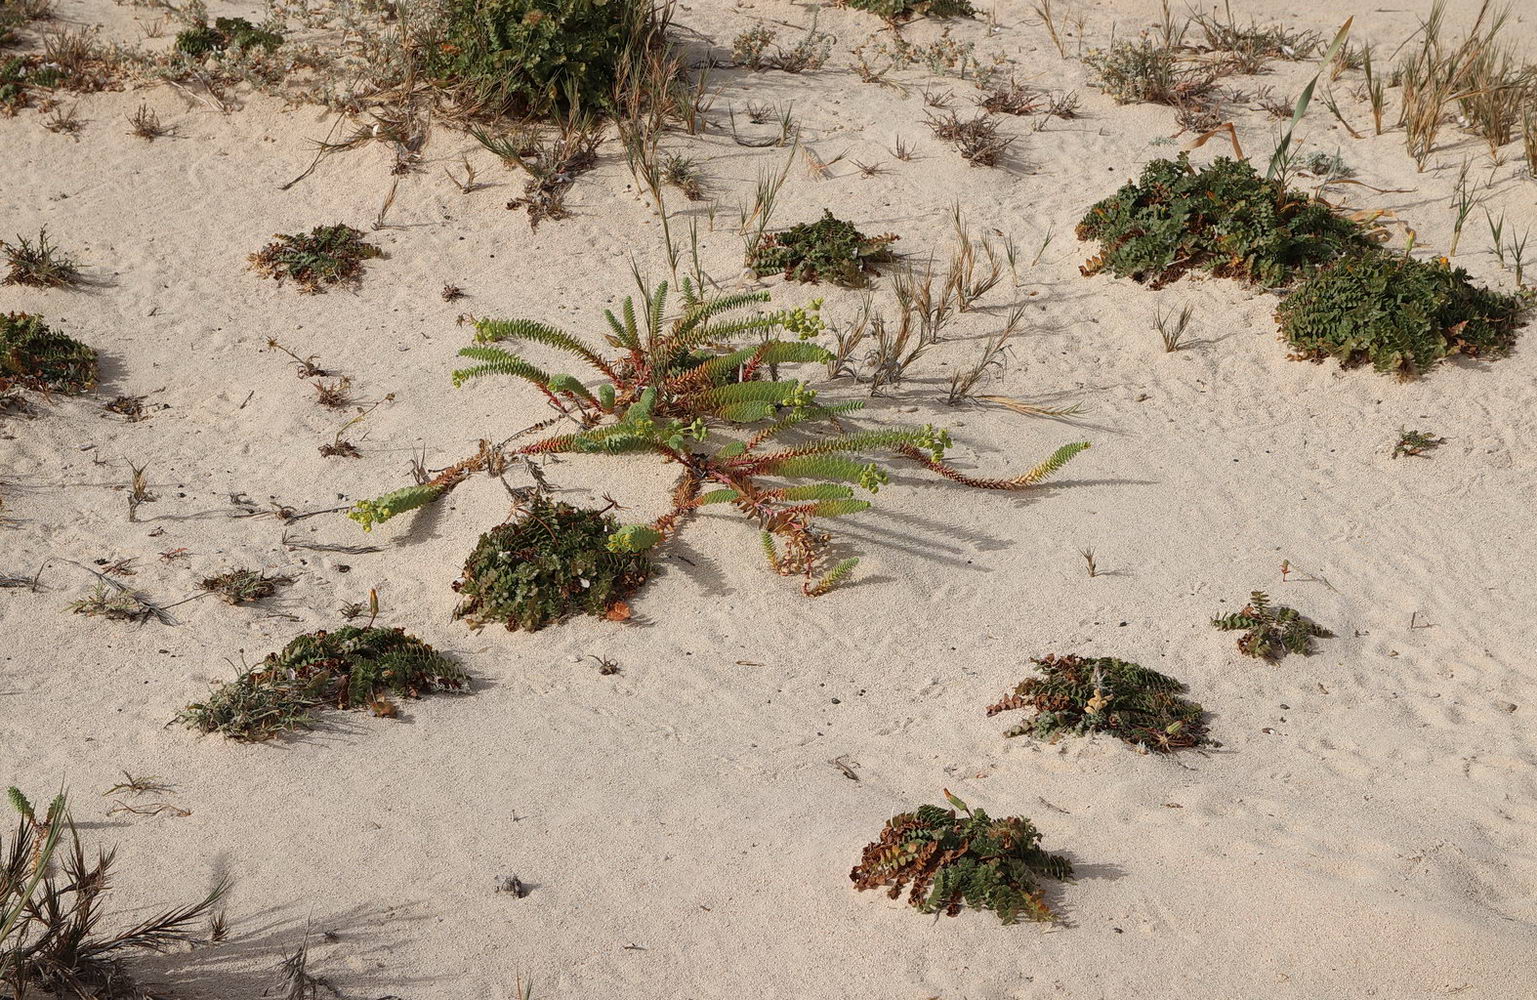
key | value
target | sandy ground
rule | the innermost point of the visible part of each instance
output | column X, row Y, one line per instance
column 1365, row 828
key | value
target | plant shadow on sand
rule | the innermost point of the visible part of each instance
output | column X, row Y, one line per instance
column 247, row 966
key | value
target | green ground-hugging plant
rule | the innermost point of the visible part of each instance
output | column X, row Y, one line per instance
column 1223, row 218
column 553, row 562
column 226, row 33
column 1400, row 314
column 946, row 861
column 1082, row 695
column 1271, row 631
column 826, row 250
column 326, row 255
column 34, row 356
column 679, row 389
column 349, row 667
column 903, row 10
column 542, row 56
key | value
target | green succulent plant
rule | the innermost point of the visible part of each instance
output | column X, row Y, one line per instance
column 1083, row 695
column 1396, row 313
column 349, row 667
column 903, row 10
column 554, row 561
column 1223, row 218
column 34, row 356
column 1271, row 631
column 543, row 56
column 946, row 860
column 325, row 256
column 226, row 33
column 826, row 250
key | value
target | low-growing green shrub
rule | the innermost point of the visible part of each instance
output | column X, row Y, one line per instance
column 553, row 562
column 826, row 250
column 1148, row 72
column 350, row 667
column 1400, row 314
column 1223, row 218
column 53, row 901
column 542, row 56
column 226, row 33
column 903, row 10
column 945, row 861
column 34, row 356
column 1081, row 695
column 326, row 255
column 1271, row 631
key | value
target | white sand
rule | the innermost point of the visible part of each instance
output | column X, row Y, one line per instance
column 1365, row 829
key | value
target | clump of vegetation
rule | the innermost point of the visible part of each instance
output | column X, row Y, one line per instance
column 1223, row 218
column 349, row 668
column 1400, row 314
column 226, row 33
column 1082, row 695
column 905, row 10
column 976, row 138
column 1411, row 443
column 1270, row 632
column 1149, row 71
column 240, row 586
column 553, row 165
column 1246, row 48
column 326, row 255
column 14, row 14
column 113, row 604
column 52, row 902
column 40, row 264
column 543, row 56
column 946, row 861
column 145, row 123
column 34, row 356
column 553, row 562
column 681, row 391
column 826, row 250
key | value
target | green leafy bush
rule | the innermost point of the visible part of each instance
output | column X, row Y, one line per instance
column 1100, row 694
column 555, row 561
column 226, row 33
column 946, row 861
column 680, row 383
column 1400, row 314
column 1271, row 631
column 351, row 667
column 539, row 56
column 34, row 356
column 902, row 10
column 1148, row 72
column 326, row 255
column 826, row 250
column 1223, row 218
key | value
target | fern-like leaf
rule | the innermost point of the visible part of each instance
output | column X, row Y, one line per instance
column 816, row 491
column 490, row 331
column 1054, row 462
column 832, row 578
column 495, row 361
